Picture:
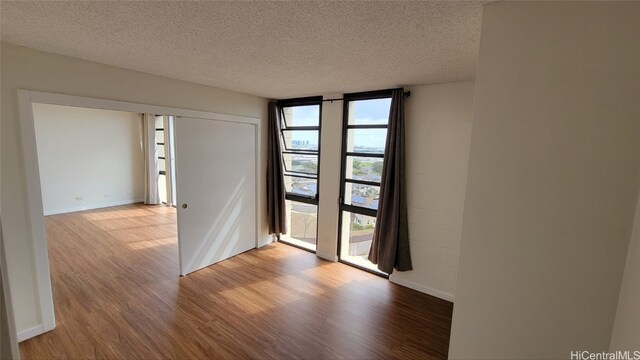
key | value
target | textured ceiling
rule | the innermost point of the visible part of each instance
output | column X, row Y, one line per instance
column 269, row 49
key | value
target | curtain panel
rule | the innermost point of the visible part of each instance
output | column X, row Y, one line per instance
column 390, row 245
column 275, row 174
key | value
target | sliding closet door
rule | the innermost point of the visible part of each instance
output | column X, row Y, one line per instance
column 216, row 190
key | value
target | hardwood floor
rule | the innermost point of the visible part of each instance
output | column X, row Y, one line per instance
column 117, row 294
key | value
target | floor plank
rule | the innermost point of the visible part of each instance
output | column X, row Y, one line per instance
column 117, row 294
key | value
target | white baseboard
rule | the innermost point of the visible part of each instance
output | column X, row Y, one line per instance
column 92, row 207
column 422, row 288
column 30, row 332
column 326, row 256
column 264, row 240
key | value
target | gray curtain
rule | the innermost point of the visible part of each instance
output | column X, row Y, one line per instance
column 275, row 175
column 390, row 245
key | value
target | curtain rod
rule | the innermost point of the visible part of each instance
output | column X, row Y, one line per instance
column 406, row 94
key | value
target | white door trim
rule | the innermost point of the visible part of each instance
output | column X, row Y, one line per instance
column 35, row 212
column 93, row 103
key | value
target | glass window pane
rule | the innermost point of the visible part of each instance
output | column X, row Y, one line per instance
column 308, row 115
column 368, row 112
column 303, row 224
column 307, row 164
column 162, row 188
column 301, row 186
column 161, row 165
column 301, row 139
column 360, row 233
column 356, row 235
column 366, row 196
column 364, row 168
column 159, row 136
column 366, row 140
column 160, row 150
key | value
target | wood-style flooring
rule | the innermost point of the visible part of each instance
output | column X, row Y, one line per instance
column 117, row 294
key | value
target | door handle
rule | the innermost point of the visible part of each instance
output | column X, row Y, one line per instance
column 184, row 206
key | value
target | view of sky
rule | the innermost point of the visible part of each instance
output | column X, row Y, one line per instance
column 366, row 112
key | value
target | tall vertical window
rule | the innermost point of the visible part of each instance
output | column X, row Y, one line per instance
column 366, row 118
column 300, row 131
column 166, row 159
column 161, row 146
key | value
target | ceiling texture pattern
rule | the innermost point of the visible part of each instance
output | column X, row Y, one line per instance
column 269, row 49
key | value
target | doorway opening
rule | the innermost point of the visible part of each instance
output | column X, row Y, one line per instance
column 92, row 176
column 207, row 140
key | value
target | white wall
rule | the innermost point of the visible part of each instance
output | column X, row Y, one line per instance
column 88, row 158
column 22, row 68
column 553, row 179
column 438, row 128
column 329, row 180
column 8, row 338
column 626, row 328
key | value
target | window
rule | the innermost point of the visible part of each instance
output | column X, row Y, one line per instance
column 166, row 162
column 366, row 118
column 300, row 132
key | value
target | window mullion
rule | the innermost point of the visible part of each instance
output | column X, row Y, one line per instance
column 362, row 182
column 361, row 154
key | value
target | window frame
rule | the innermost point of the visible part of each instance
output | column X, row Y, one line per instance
column 162, row 158
column 158, row 143
column 354, row 209
column 311, row 200
column 306, row 101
